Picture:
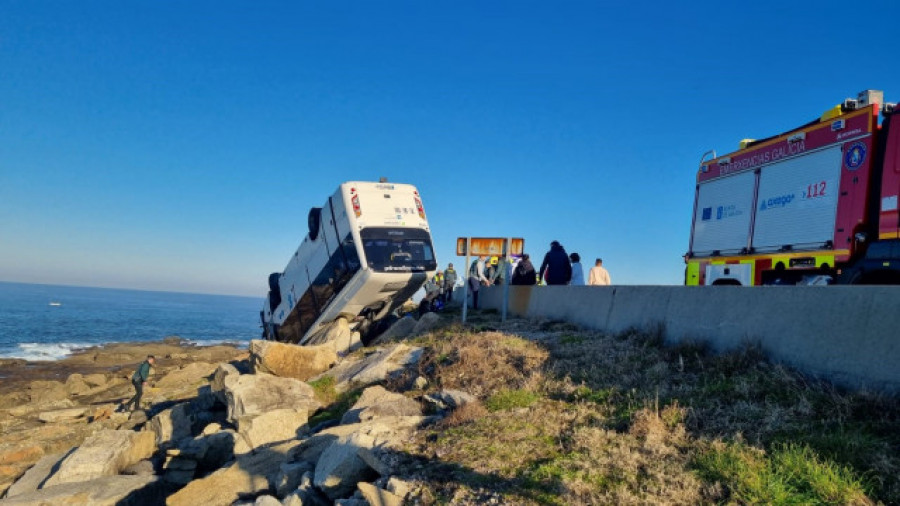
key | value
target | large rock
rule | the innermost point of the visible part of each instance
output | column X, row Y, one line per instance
column 340, row 467
column 277, row 425
column 172, row 424
column 95, row 380
column 266, row 500
column 75, row 385
column 289, row 475
column 306, row 494
column 290, row 360
column 401, row 328
column 105, row 453
column 220, row 376
column 337, row 332
column 250, row 474
column 378, row 496
column 450, row 399
column 188, row 376
column 254, row 394
column 36, row 476
column 427, row 322
column 375, row 367
column 312, row 447
column 377, row 401
column 40, row 405
column 218, row 449
column 135, row 490
column 61, row 415
column 45, row 392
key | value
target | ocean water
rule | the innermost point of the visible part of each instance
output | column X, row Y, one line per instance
column 46, row 322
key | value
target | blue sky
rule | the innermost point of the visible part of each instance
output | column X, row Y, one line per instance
column 179, row 145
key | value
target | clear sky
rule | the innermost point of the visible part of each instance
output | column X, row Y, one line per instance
column 179, row 145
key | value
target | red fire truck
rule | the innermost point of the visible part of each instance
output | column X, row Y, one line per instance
column 814, row 205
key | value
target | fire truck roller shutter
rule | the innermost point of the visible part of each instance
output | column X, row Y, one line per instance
column 724, row 208
column 797, row 201
column 274, row 291
column 315, row 220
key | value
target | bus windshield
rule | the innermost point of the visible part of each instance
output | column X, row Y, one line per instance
column 398, row 249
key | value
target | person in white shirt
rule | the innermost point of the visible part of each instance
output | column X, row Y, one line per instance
column 477, row 278
column 598, row 276
column 577, row 272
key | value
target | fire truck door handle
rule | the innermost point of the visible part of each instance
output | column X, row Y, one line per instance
column 843, row 194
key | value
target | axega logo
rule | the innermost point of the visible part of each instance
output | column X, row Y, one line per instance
column 855, row 155
column 780, row 201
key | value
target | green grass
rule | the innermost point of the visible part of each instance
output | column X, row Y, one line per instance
column 789, row 474
column 510, row 399
column 336, row 404
column 571, row 339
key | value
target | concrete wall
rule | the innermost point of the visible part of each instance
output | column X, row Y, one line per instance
column 847, row 334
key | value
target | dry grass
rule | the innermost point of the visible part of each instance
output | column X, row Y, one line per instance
column 577, row 417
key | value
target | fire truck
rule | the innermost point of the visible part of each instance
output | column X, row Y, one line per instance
column 367, row 251
column 814, row 205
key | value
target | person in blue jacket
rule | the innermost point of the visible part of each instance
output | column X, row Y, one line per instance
column 139, row 380
column 556, row 268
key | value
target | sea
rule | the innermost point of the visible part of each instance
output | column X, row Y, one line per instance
column 47, row 322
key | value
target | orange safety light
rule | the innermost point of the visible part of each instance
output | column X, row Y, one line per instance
column 420, row 208
column 356, row 208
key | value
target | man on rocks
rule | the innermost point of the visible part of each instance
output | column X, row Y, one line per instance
column 139, row 380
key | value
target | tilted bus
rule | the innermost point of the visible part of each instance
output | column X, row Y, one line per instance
column 368, row 250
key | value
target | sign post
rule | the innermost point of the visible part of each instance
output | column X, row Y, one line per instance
column 489, row 246
column 508, row 274
column 465, row 277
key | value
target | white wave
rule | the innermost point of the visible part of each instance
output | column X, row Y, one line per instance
column 45, row 351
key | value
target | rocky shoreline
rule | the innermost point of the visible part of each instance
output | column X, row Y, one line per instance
column 220, row 425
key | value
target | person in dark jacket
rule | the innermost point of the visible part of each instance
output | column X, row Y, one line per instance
column 524, row 273
column 139, row 380
column 556, row 268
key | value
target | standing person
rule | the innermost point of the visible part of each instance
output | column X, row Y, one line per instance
column 598, row 276
column 477, row 278
column 556, row 268
column 577, row 271
column 449, row 283
column 139, row 380
column 524, row 273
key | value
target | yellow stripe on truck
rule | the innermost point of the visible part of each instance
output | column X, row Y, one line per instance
column 693, row 274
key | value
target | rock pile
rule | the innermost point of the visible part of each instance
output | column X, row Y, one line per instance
column 242, row 436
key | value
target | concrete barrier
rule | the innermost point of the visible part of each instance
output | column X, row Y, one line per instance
column 849, row 335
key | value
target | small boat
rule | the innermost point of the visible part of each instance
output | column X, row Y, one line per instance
column 56, row 303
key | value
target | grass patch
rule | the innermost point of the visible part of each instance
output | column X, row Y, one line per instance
column 571, row 339
column 336, row 403
column 790, row 474
column 571, row 416
column 510, row 399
